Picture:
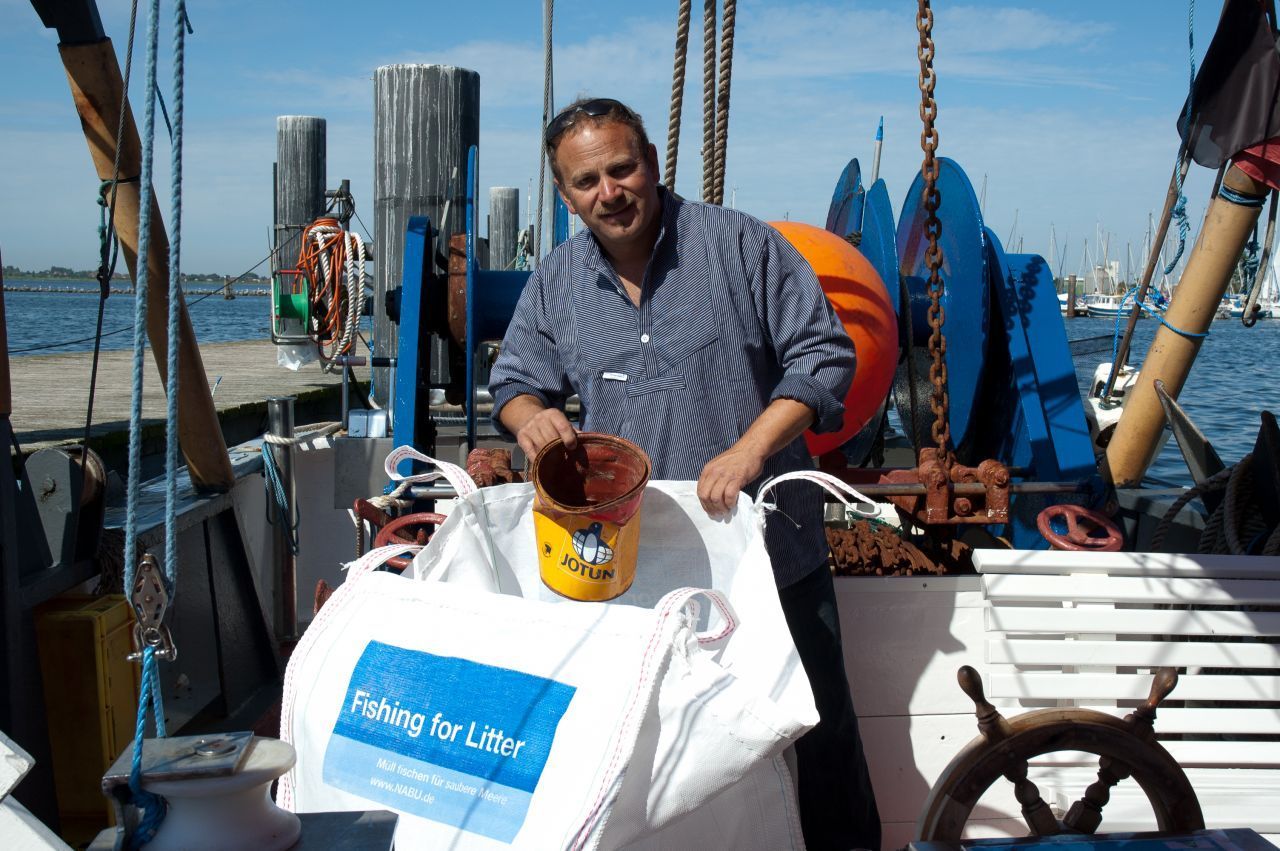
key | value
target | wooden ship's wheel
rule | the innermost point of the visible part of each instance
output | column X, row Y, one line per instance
column 1128, row 748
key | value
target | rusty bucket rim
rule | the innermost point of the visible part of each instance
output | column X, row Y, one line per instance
column 597, row 438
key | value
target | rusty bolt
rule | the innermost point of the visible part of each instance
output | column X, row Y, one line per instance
column 963, row 506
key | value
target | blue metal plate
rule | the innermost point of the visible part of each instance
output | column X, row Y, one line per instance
column 845, row 214
column 879, row 239
column 1032, row 378
column 412, row 339
column 879, row 247
column 965, row 302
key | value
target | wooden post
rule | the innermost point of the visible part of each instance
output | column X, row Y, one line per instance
column 425, row 118
column 1195, row 302
column 98, row 90
column 504, row 225
column 1071, row 296
column 300, row 183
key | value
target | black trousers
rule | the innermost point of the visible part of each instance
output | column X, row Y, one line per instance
column 837, row 804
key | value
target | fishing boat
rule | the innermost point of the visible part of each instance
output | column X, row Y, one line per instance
column 1118, row 305
column 959, row 619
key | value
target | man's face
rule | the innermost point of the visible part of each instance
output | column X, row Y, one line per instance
column 609, row 182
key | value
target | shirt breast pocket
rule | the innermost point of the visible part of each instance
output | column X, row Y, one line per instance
column 685, row 336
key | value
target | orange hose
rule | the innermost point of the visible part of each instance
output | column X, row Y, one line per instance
column 322, row 259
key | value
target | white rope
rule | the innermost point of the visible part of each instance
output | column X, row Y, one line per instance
column 304, row 435
column 354, row 279
column 354, row 275
column 386, row 502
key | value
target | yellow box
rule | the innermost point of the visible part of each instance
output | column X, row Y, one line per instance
column 91, row 702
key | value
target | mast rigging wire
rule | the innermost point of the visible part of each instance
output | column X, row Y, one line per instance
column 548, row 10
column 109, row 245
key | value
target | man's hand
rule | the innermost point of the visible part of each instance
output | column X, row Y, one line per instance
column 725, row 476
column 542, row 428
column 728, row 473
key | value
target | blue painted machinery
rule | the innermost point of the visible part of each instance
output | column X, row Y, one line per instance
column 1012, row 386
column 487, row 303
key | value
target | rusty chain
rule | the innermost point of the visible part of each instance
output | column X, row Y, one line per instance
column 940, row 403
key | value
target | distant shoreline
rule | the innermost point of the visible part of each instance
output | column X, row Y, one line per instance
column 123, row 279
column 91, row 288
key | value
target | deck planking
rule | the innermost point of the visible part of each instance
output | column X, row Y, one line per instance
column 51, row 392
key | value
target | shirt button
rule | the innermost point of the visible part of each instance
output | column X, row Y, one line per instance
column 644, row 338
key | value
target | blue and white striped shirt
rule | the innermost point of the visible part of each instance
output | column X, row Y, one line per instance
column 731, row 317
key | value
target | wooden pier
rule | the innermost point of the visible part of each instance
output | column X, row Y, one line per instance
column 50, row 393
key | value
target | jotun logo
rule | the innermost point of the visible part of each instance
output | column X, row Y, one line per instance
column 590, row 547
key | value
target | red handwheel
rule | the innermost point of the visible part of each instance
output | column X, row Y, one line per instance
column 409, row 529
column 1086, row 529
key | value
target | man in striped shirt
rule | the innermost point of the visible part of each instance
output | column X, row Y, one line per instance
column 700, row 334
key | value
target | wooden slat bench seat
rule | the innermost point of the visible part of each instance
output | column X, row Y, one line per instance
column 1087, row 629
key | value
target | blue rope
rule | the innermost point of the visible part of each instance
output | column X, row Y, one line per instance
column 1249, row 263
column 1150, row 311
column 151, row 700
column 1180, row 208
column 175, row 302
column 153, row 806
column 1226, row 193
column 276, row 486
column 140, row 304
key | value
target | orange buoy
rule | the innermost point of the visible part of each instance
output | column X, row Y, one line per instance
column 862, row 303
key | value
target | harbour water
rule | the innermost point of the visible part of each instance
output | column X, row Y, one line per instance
column 48, row 323
column 1229, row 386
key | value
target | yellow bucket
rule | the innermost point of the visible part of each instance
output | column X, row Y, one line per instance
column 586, row 517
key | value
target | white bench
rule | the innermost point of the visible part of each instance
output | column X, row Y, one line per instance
column 1087, row 629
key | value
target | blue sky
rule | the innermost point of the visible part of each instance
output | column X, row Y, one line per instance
column 1067, row 107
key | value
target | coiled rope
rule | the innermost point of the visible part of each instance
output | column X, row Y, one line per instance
column 1236, row 526
column 677, row 92
column 333, row 260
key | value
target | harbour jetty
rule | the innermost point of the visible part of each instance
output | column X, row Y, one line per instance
column 51, row 393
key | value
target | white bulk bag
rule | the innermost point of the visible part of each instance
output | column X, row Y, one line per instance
column 491, row 713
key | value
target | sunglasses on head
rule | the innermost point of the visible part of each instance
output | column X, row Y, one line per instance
column 596, row 108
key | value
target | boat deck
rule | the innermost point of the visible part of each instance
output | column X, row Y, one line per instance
column 51, row 392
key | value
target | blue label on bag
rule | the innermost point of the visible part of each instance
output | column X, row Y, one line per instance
column 444, row 738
